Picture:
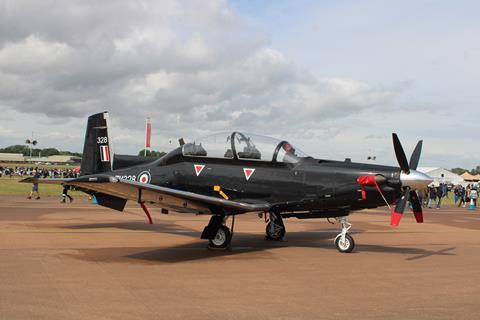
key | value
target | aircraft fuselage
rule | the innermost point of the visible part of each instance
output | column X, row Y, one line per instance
column 308, row 185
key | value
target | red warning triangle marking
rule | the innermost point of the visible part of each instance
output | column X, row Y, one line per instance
column 198, row 168
column 248, row 172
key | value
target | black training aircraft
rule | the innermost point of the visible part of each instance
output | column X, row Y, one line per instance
column 228, row 174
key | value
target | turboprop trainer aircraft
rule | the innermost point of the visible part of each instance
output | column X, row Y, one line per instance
column 227, row 174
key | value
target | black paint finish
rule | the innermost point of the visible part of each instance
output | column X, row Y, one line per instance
column 309, row 185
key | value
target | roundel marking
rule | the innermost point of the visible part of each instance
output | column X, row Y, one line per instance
column 144, row 177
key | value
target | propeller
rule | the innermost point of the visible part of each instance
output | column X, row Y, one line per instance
column 416, row 206
column 407, row 193
column 401, row 158
column 415, row 158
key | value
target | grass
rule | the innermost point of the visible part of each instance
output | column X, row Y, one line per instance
column 12, row 187
column 40, row 166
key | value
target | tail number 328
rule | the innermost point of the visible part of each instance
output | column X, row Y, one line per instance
column 102, row 140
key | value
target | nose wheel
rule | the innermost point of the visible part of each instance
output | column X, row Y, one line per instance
column 343, row 241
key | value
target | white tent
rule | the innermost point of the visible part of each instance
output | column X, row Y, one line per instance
column 441, row 175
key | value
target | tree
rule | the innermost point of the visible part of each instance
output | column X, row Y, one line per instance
column 25, row 150
column 16, row 149
column 49, row 152
column 458, row 171
column 461, row 170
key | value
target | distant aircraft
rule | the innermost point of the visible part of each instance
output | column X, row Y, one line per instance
column 227, row 174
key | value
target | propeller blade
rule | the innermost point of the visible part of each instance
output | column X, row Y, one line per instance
column 415, row 157
column 397, row 214
column 400, row 154
column 416, row 206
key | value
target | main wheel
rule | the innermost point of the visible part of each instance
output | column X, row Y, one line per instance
column 222, row 238
column 275, row 231
column 344, row 246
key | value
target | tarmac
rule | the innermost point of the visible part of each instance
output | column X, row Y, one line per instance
column 83, row 261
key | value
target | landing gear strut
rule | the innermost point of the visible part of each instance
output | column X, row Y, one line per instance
column 275, row 229
column 344, row 242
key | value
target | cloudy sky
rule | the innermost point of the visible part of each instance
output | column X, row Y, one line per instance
column 336, row 78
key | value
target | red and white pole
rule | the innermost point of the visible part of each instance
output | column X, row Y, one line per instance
column 148, row 135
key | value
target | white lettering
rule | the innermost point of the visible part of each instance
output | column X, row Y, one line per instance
column 102, row 140
column 130, row 178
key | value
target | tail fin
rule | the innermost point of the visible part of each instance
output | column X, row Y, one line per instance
column 97, row 155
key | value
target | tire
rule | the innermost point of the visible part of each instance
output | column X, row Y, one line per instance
column 275, row 231
column 222, row 238
column 346, row 247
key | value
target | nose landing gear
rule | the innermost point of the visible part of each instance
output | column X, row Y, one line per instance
column 343, row 241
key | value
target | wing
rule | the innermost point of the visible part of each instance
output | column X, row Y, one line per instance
column 177, row 200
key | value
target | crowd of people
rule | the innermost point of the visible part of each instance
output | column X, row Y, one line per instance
column 434, row 195
column 463, row 195
column 37, row 173
column 41, row 172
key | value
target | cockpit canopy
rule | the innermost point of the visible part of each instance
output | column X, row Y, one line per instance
column 238, row 145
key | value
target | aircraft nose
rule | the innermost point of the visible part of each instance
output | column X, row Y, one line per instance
column 415, row 179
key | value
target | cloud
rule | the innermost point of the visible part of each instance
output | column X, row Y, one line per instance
column 32, row 55
column 194, row 67
column 189, row 63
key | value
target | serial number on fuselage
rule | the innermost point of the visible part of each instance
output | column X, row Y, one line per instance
column 131, row 178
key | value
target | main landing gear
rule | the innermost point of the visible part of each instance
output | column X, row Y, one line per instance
column 275, row 229
column 344, row 242
column 222, row 238
column 218, row 234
